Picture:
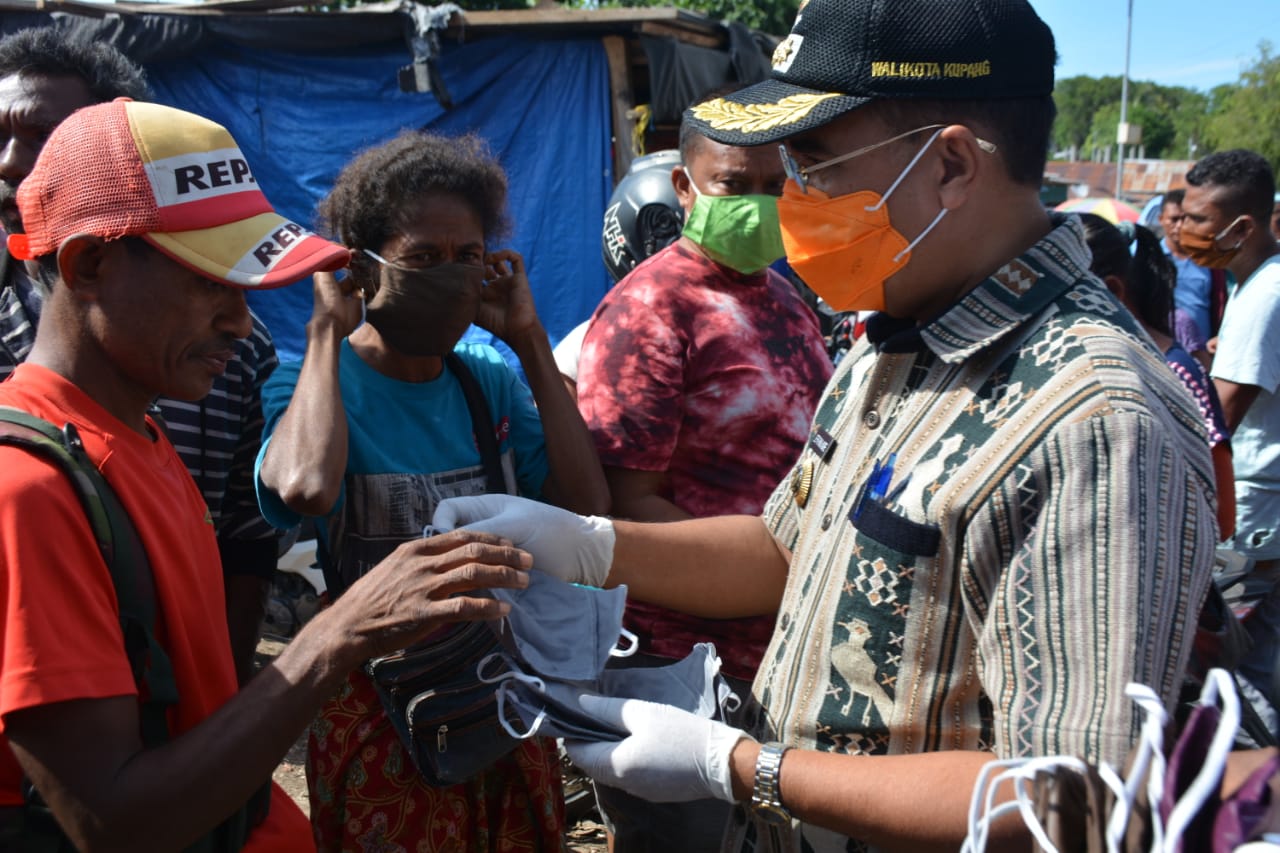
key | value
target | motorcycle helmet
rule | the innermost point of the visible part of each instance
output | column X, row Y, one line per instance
column 643, row 214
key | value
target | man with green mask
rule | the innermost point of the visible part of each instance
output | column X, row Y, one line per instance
column 698, row 377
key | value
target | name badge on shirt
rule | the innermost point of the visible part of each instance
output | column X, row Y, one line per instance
column 822, row 443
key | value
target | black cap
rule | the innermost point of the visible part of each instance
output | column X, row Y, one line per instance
column 842, row 54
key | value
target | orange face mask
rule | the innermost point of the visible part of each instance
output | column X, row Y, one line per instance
column 845, row 247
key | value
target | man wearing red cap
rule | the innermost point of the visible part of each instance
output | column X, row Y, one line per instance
column 45, row 76
column 147, row 225
column 1004, row 514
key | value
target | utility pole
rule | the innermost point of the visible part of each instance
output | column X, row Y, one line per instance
column 1122, row 132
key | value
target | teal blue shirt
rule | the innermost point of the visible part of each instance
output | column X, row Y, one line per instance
column 397, row 427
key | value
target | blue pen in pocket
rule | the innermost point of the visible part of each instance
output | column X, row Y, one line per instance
column 876, row 488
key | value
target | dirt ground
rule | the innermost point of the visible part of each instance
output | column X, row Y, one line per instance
column 585, row 836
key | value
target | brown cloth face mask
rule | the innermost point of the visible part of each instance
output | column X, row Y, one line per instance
column 424, row 312
column 1205, row 251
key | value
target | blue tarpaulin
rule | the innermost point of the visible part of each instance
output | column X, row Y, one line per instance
column 542, row 105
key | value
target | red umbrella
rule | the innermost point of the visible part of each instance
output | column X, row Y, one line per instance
column 1109, row 209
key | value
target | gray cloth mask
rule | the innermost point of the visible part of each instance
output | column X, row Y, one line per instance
column 551, row 708
column 561, row 631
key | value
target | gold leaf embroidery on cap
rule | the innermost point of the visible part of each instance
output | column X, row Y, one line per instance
column 750, row 118
column 786, row 51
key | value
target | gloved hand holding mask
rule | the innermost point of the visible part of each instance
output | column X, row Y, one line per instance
column 573, row 548
column 669, row 756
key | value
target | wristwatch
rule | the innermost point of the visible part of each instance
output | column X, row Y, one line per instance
column 766, row 800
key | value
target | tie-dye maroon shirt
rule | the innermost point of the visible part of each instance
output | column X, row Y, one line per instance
column 712, row 377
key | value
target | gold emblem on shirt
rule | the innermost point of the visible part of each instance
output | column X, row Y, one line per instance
column 722, row 114
column 802, row 482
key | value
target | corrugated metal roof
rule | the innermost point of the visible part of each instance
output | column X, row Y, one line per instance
column 1142, row 178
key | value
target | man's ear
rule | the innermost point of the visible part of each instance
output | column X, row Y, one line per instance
column 1241, row 231
column 963, row 158
column 365, row 274
column 82, row 264
column 684, row 188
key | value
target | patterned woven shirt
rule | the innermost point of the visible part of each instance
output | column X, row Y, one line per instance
column 1044, row 536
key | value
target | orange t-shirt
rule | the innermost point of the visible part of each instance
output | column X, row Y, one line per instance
column 60, row 633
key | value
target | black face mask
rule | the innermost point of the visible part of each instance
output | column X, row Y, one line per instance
column 425, row 312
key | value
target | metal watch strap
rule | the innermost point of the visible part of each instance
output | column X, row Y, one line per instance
column 766, row 800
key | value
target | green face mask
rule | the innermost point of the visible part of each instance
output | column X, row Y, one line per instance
column 739, row 231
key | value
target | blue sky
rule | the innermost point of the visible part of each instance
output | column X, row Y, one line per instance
column 1193, row 43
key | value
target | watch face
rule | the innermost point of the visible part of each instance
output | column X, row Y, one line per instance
column 772, row 814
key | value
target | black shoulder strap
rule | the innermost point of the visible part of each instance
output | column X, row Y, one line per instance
column 5, row 260
column 482, row 425
column 123, row 553
column 134, row 582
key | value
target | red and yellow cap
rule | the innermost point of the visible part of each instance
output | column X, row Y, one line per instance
column 177, row 180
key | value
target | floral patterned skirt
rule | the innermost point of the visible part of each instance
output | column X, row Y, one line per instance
column 367, row 797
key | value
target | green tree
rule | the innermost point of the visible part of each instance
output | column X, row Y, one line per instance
column 1078, row 99
column 1248, row 114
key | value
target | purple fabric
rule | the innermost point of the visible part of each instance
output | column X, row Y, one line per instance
column 1185, row 762
column 1241, row 816
column 1186, row 332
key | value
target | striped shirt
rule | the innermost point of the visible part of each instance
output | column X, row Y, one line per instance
column 1044, row 539
column 217, row 437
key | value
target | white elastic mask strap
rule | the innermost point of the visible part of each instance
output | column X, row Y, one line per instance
column 727, row 699
column 501, row 694
column 1223, row 232
column 1148, row 762
column 916, row 241
column 903, row 174
column 1218, row 687
column 633, row 643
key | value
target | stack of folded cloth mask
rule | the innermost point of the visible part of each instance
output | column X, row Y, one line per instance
column 557, row 639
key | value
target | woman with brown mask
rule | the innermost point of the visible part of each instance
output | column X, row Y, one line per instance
column 375, row 427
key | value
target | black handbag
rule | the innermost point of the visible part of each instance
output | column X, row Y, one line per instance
column 446, row 716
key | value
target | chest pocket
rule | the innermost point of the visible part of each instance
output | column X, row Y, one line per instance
column 895, row 532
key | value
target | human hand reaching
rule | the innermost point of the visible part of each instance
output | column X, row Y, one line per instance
column 424, row 585
column 574, row 548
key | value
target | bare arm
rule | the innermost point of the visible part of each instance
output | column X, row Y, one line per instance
column 878, row 799
column 716, row 568
column 637, row 495
column 109, row 793
column 1225, row 479
column 574, row 480
column 307, row 455
column 1236, row 400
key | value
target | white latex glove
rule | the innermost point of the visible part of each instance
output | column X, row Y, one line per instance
column 575, row 548
column 671, row 756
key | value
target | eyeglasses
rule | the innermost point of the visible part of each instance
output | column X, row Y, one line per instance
column 800, row 174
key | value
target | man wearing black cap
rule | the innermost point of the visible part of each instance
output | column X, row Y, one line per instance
column 1004, row 513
